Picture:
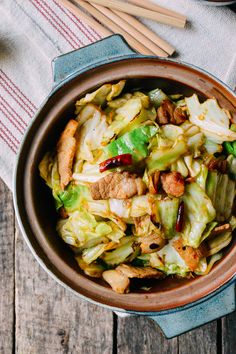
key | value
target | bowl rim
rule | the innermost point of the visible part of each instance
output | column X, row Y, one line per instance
column 60, row 86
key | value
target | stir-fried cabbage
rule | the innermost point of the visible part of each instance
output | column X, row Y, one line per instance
column 221, row 190
column 126, row 114
column 89, row 174
column 45, row 168
column 173, row 263
column 82, row 230
column 168, row 210
column 200, row 211
column 74, row 197
column 126, row 248
column 157, row 96
column 93, row 134
column 212, row 120
column 134, row 142
column 161, row 158
column 48, row 169
column 151, row 184
column 101, row 95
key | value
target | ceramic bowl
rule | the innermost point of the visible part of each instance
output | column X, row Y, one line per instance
column 75, row 74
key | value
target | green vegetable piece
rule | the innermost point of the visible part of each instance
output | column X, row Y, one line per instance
column 175, row 97
column 232, row 222
column 93, row 269
column 229, row 148
column 91, row 254
column 202, row 177
column 211, row 185
column 161, row 158
column 101, row 95
column 229, row 200
column 220, row 197
column 134, row 143
column 49, row 172
column 219, row 242
column 157, row 96
column 120, row 254
column 233, row 127
column 73, row 196
column 232, row 166
column 212, row 147
column 210, row 226
column 168, row 210
column 45, row 168
column 221, row 190
column 142, row 261
column 210, row 118
column 234, row 148
column 143, row 116
column 82, row 230
column 199, row 211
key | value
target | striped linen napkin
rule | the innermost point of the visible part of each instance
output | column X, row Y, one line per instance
column 33, row 32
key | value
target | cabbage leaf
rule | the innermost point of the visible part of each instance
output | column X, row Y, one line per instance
column 199, row 212
column 82, row 230
column 210, row 118
column 101, row 95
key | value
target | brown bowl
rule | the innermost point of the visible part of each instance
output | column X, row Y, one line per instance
column 33, row 201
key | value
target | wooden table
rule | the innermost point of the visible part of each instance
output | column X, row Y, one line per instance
column 38, row 316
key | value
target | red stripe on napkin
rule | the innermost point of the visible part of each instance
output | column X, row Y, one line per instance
column 7, row 114
column 19, row 90
column 7, row 142
column 15, row 97
column 48, row 15
column 10, row 110
column 5, row 132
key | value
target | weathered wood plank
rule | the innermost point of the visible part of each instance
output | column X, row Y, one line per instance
column 202, row 340
column 49, row 319
column 7, row 227
column 140, row 335
column 228, row 334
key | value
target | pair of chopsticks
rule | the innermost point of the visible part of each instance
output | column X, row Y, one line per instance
column 115, row 17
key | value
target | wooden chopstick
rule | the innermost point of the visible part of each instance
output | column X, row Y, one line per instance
column 131, row 30
column 140, row 11
column 139, row 47
column 101, row 30
column 161, row 49
column 146, row 32
column 151, row 6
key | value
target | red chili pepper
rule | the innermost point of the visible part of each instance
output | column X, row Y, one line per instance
column 180, row 218
column 116, row 161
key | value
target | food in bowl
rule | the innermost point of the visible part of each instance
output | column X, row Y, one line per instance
column 144, row 184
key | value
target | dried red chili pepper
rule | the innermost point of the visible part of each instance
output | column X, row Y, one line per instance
column 180, row 218
column 120, row 160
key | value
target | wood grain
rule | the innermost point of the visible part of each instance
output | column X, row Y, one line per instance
column 146, row 32
column 132, row 30
column 49, row 319
column 140, row 11
column 103, row 32
column 202, row 340
column 6, row 271
column 139, row 47
column 152, row 6
column 138, row 335
column 228, row 334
